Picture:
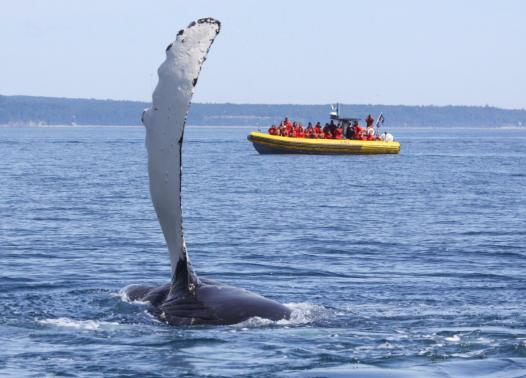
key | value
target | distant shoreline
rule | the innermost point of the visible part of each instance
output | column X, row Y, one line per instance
column 24, row 110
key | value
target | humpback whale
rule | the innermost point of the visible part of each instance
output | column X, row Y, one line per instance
column 187, row 299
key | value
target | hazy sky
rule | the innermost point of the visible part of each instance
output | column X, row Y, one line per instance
column 470, row 52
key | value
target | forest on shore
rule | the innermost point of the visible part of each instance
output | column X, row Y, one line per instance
column 23, row 110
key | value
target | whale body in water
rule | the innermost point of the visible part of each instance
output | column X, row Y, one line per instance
column 186, row 299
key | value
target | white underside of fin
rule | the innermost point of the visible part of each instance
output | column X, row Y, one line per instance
column 165, row 122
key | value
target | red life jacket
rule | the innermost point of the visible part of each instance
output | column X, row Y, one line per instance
column 357, row 132
column 272, row 131
column 338, row 133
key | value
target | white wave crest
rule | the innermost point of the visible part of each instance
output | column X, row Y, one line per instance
column 304, row 313
column 91, row 325
column 454, row 338
column 301, row 314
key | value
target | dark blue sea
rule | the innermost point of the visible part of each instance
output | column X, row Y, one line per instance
column 409, row 265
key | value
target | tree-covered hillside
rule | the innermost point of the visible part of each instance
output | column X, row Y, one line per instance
column 60, row 111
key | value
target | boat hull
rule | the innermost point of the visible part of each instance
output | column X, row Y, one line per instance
column 271, row 144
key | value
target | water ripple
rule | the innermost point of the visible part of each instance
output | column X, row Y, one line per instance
column 408, row 265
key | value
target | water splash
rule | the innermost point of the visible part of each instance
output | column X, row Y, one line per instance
column 90, row 325
column 302, row 314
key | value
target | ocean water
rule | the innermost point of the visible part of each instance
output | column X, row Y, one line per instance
column 397, row 265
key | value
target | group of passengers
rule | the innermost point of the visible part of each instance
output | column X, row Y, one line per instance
column 330, row 131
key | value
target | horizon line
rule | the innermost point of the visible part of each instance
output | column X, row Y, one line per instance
column 261, row 103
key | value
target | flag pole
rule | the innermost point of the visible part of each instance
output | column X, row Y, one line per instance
column 379, row 120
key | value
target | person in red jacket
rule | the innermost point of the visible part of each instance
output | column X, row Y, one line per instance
column 317, row 131
column 301, row 131
column 332, row 129
column 273, row 130
column 338, row 133
column 327, row 131
column 357, row 131
column 293, row 130
column 287, row 123
column 369, row 133
column 309, row 132
column 293, row 133
column 283, row 131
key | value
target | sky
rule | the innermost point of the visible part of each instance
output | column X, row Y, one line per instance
column 404, row 52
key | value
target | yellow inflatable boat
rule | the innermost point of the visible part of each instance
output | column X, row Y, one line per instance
column 273, row 144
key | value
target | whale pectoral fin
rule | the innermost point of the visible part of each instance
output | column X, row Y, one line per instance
column 165, row 122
